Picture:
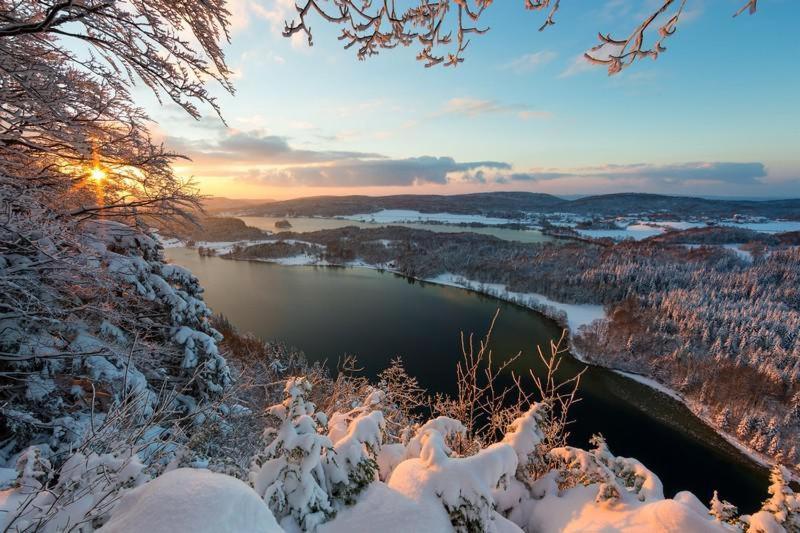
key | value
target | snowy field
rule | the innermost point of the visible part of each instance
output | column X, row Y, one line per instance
column 636, row 232
column 393, row 216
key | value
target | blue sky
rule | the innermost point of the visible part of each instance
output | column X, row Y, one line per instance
column 717, row 114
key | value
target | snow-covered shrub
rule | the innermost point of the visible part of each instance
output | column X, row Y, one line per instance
column 86, row 489
column 723, row 510
column 290, row 474
column 781, row 512
column 357, row 436
column 306, row 474
column 617, row 478
column 464, row 485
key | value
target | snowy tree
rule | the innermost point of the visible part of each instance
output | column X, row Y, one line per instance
column 369, row 28
column 723, row 510
column 723, row 418
column 290, row 473
column 781, row 512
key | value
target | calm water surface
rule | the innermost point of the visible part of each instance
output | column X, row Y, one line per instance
column 306, row 224
column 328, row 312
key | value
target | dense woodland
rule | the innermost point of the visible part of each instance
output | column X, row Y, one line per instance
column 717, row 326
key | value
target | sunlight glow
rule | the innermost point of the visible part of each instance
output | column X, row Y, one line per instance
column 97, row 174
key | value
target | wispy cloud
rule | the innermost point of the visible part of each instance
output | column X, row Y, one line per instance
column 529, row 62
column 472, row 107
column 705, row 172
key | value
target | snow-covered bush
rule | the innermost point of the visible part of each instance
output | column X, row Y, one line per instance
column 781, row 512
column 313, row 466
column 289, row 475
column 87, row 488
column 464, row 485
column 617, row 478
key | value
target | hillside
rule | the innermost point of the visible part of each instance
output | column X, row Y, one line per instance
column 492, row 203
column 516, row 204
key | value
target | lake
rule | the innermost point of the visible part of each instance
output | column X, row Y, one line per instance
column 328, row 312
column 306, row 224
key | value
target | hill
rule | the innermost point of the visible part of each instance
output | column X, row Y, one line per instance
column 516, row 204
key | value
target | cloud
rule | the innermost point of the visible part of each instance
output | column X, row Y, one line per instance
column 253, row 147
column 472, row 107
column 368, row 173
column 271, row 160
column 578, row 65
column 679, row 173
column 529, row 62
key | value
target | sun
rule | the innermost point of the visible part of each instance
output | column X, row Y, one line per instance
column 97, row 174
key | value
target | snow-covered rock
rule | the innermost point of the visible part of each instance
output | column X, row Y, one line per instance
column 192, row 501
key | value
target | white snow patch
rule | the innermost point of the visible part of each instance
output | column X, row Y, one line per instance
column 770, row 226
column 196, row 501
column 636, row 232
column 389, row 216
column 388, row 511
column 577, row 511
column 576, row 315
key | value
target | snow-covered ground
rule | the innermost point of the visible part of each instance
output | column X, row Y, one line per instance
column 634, row 231
column 390, row 216
column 639, row 230
column 770, row 226
column 576, row 315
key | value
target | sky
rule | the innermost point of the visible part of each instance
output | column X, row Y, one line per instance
column 717, row 114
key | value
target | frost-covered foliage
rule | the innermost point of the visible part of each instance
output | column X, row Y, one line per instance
column 314, row 465
column 79, row 495
column 106, row 354
column 781, row 512
column 617, row 478
column 424, row 485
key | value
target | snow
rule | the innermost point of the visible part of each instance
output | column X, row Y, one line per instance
column 298, row 260
column 577, row 511
column 195, row 501
column 653, row 384
column 770, row 226
column 576, row 315
column 638, row 232
column 390, row 216
column 385, row 510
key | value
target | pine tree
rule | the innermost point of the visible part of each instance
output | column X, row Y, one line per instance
column 723, row 510
column 723, row 418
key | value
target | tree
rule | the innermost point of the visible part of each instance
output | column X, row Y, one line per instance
column 93, row 321
column 69, row 130
column 370, row 27
column 723, row 510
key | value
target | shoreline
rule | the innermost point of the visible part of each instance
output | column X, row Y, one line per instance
column 557, row 311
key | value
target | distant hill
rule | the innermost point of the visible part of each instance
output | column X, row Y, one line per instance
column 495, row 203
column 514, row 204
column 630, row 203
column 219, row 203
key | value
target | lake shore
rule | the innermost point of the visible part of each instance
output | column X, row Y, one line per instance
column 568, row 316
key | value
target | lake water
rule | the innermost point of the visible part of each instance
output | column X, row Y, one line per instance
column 306, row 224
column 328, row 312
